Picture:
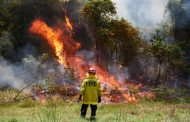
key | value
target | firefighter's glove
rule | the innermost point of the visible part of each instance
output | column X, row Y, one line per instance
column 99, row 99
column 80, row 98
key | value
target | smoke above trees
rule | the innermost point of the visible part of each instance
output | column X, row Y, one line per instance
column 142, row 13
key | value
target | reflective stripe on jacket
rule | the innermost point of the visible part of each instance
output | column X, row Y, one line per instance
column 90, row 90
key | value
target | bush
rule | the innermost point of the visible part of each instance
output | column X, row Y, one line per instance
column 172, row 95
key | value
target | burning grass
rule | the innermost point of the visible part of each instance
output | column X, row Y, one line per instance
column 131, row 93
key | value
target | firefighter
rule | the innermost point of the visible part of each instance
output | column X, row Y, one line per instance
column 91, row 93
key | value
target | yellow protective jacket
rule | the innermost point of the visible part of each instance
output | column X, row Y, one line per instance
column 90, row 89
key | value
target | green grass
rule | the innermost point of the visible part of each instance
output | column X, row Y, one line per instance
column 66, row 112
column 29, row 110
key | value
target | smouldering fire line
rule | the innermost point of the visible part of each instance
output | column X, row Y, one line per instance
column 52, row 36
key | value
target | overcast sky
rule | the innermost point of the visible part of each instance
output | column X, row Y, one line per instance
column 142, row 13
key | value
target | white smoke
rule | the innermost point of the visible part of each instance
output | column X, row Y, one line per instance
column 16, row 75
column 9, row 76
column 142, row 13
column 88, row 56
column 121, row 73
column 186, row 7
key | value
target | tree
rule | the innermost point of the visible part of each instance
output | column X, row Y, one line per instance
column 179, row 13
column 6, row 47
column 126, row 40
column 169, row 57
column 98, row 12
column 115, row 39
column 5, row 17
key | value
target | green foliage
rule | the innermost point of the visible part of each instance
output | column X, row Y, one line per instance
column 13, row 120
column 169, row 57
column 175, row 56
column 166, row 53
column 115, row 39
column 126, row 40
column 172, row 95
column 98, row 12
column 159, row 47
column 5, row 18
column 181, row 28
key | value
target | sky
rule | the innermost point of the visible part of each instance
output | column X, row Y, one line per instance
column 142, row 13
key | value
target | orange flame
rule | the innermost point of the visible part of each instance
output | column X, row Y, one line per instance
column 53, row 37
column 65, row 49
column 68, row 23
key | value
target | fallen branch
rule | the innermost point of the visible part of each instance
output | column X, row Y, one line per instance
column 15, row 98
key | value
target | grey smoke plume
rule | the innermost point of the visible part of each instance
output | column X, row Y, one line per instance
column 14, row 75
column 88, row 56
column 28, row 49
column 142, row 13
column 186, row 7
column 179, row 11
column 8, row 76
column 121, row 73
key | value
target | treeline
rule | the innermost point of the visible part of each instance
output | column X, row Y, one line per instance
column 180, row 17
column 98, row 28
column 159, row 60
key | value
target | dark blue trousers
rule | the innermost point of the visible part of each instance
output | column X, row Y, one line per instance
column 85, row 107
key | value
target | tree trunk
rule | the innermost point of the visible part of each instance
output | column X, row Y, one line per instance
column 166, row 76
column 116, row 52
column 158, row 77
